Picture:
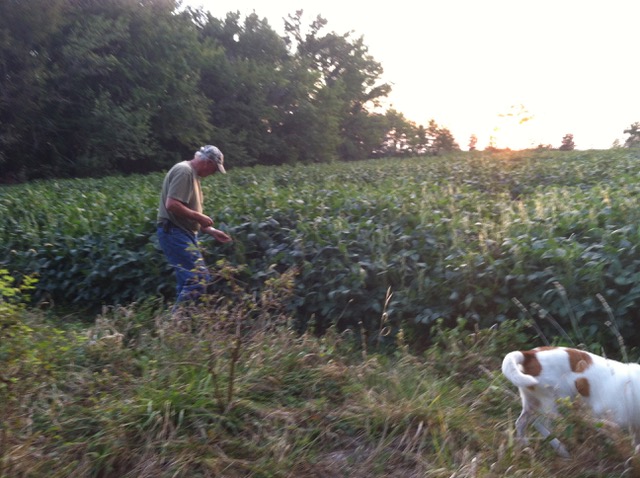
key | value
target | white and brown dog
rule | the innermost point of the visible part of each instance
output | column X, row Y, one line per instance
column 610, row 389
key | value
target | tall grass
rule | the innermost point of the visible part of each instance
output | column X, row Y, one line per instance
column 242, row 394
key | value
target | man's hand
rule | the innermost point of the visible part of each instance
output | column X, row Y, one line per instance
column 204, row 221
column 217, row 234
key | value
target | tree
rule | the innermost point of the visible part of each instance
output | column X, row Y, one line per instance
column 397, row 141
column 567, row 143
column 26, row 31
column 92, row 87
column 633, row 141
column 344, row 66
column 258, row 94
column 420, row 140
column 402, row 137
column 442, row 140
column 473, row 142
column 129, row 75
column 114, row 88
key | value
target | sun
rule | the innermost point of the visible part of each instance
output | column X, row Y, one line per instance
column 513, row 129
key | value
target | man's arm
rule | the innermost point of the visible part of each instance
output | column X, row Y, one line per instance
column 179, row 209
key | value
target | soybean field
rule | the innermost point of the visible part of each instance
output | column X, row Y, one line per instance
column 387, row 244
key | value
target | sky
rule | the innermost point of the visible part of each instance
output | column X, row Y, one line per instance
column 514, row 73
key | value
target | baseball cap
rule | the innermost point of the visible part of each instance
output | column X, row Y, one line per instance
column 214, row 154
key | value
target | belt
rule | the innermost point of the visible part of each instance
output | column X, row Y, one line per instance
column 166, row 225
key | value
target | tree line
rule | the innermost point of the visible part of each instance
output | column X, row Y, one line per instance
column 96, row 87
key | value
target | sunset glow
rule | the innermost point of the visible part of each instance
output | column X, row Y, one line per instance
column 467, row 64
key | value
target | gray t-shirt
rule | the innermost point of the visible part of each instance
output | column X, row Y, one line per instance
column 183, row 184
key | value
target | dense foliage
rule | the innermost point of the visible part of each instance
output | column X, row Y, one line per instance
column 447, row 237
column 100, row 86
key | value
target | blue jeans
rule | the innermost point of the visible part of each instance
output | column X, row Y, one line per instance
column 183, row 254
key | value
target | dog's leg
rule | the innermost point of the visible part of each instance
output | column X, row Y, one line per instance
column 554, row 442
column 521, row 426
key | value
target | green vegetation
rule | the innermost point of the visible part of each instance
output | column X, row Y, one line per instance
column 458, row 236
column 100, row 87
column 242, row 394
column 349, row 331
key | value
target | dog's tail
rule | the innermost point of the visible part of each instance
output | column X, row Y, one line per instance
column 511, row 368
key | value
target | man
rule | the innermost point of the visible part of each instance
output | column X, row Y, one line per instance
column 180, row 219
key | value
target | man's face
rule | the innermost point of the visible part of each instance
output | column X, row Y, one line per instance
column 210, row 168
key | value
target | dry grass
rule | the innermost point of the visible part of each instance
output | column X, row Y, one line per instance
column 242, row 395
